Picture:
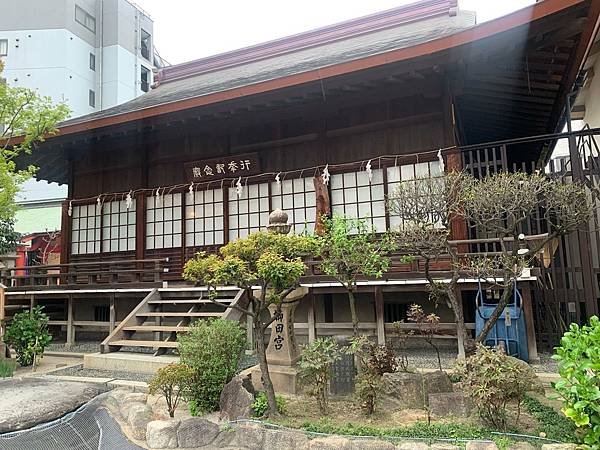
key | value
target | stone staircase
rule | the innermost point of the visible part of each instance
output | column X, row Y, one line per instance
column 154, row 323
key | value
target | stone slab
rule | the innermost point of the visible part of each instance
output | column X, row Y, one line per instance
column 97, row 380
column 26, row 402
column 135, row 386
column 284, row 378
column 127, row 362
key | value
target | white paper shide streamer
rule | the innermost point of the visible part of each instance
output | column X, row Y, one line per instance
column 128, row 200
column 70, row 210
column 326, row 175
column 239, row 189
column 369, row 171
column 441, row 160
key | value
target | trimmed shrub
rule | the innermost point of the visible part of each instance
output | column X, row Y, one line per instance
column 493, row 380
column 7, row 368
column 171, row 382
column 28, row 335
column 212, row 350
column 579, row 368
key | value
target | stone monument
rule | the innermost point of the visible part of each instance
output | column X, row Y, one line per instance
column 282, row 351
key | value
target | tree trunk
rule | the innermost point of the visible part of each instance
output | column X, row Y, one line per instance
column 459, row 317
column 504, row 300
column 261, row 353
column 353, row 313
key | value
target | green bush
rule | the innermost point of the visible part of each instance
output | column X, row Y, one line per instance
column 315, row 369
column 28, row 335
column 261, row 404
column 212, row 349
column 171, row 382
column 579, row 368
column 493, row 380
column 7, row 368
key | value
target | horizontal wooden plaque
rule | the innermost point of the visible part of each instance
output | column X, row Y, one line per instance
column 223, row 167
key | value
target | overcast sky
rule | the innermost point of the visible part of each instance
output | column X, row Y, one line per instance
column 190, row 29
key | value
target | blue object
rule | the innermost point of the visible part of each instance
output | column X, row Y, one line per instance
column 509, row 328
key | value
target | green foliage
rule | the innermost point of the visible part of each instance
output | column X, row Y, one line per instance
column 373, row 362
column 7, row 367
column 315, row 366
column 212, row 350
column 25, row 120
column 9, row 238
column 555, row 425
column 171, row 382
column 261, row 405
column 579, row 368
column 493, row 380
column 28, row 335
column 427, row 325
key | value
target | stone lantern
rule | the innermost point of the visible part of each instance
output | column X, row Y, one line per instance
column 278, row 222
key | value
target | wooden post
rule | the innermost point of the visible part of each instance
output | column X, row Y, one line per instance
column 530, row 325
column 250, row 329
column 112, row 314
column 2, row 315
column 31, row 302
column 312, row 331
column 379, row 316
column 323, row 204
column 70, row 329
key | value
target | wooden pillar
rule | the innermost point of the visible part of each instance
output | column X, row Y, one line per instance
column 379, row 316
column 530, row 324
column 112, row 314
column 312, row 330
column 70, row 328
column 2, row 315
column 323, row 205
column 250, row 329
column 31, row 302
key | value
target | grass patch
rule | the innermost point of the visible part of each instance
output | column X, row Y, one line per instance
column 555, row 425
column 7, row 368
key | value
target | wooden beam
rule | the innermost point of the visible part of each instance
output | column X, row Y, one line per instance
column 70, row 327
column 379, row 316
column 112, row 314
column 530, row 325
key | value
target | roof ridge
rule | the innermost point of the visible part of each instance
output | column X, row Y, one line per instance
column 420, row 10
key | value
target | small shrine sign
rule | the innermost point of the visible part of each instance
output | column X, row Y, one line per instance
column 232, row 166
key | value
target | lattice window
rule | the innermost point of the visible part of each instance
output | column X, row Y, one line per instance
column 407, row 174
column 298, row 199
column 250, row 212
column 354, row 197
column 163, row 221
column 85, row 230
column 118, row 226
column 204, row 223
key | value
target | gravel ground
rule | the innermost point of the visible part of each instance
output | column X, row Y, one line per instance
column 80, row 347
column 79, row 371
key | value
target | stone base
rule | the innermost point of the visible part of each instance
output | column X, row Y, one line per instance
column 284, row 378
column 127, row 362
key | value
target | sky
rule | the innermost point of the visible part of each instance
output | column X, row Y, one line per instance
column 185, row 30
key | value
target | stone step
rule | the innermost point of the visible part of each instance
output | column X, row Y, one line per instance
column 151, row 344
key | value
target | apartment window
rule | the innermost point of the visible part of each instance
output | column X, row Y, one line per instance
column 85, row 230
column 408, row 173
column 204, row 224
column 353, row 196
column 298, row 199
column 163, row 221
column 3, row 47
column 92, row 98
column 145, row 44
column 92, row 61
column 145, row 79
column 118, row 226
column 250, row 212
column 85, row 19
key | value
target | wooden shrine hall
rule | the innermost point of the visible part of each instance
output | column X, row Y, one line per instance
column 220, row 142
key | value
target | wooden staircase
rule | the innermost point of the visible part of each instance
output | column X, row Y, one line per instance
column 155, row 321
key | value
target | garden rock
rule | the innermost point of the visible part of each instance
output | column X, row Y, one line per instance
column 139, row 416
column 402, row 390
column 162, row 434
column 237, row 398
column 522, row 446
column 128, row 401
column 481, row 445
column 559, row 447
column 441, row 446
column 413, row 446
column 371, row 444
column 279, row 439
column 330, row 443
column 196, row 432
column 450, row 404
column 437, row 382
